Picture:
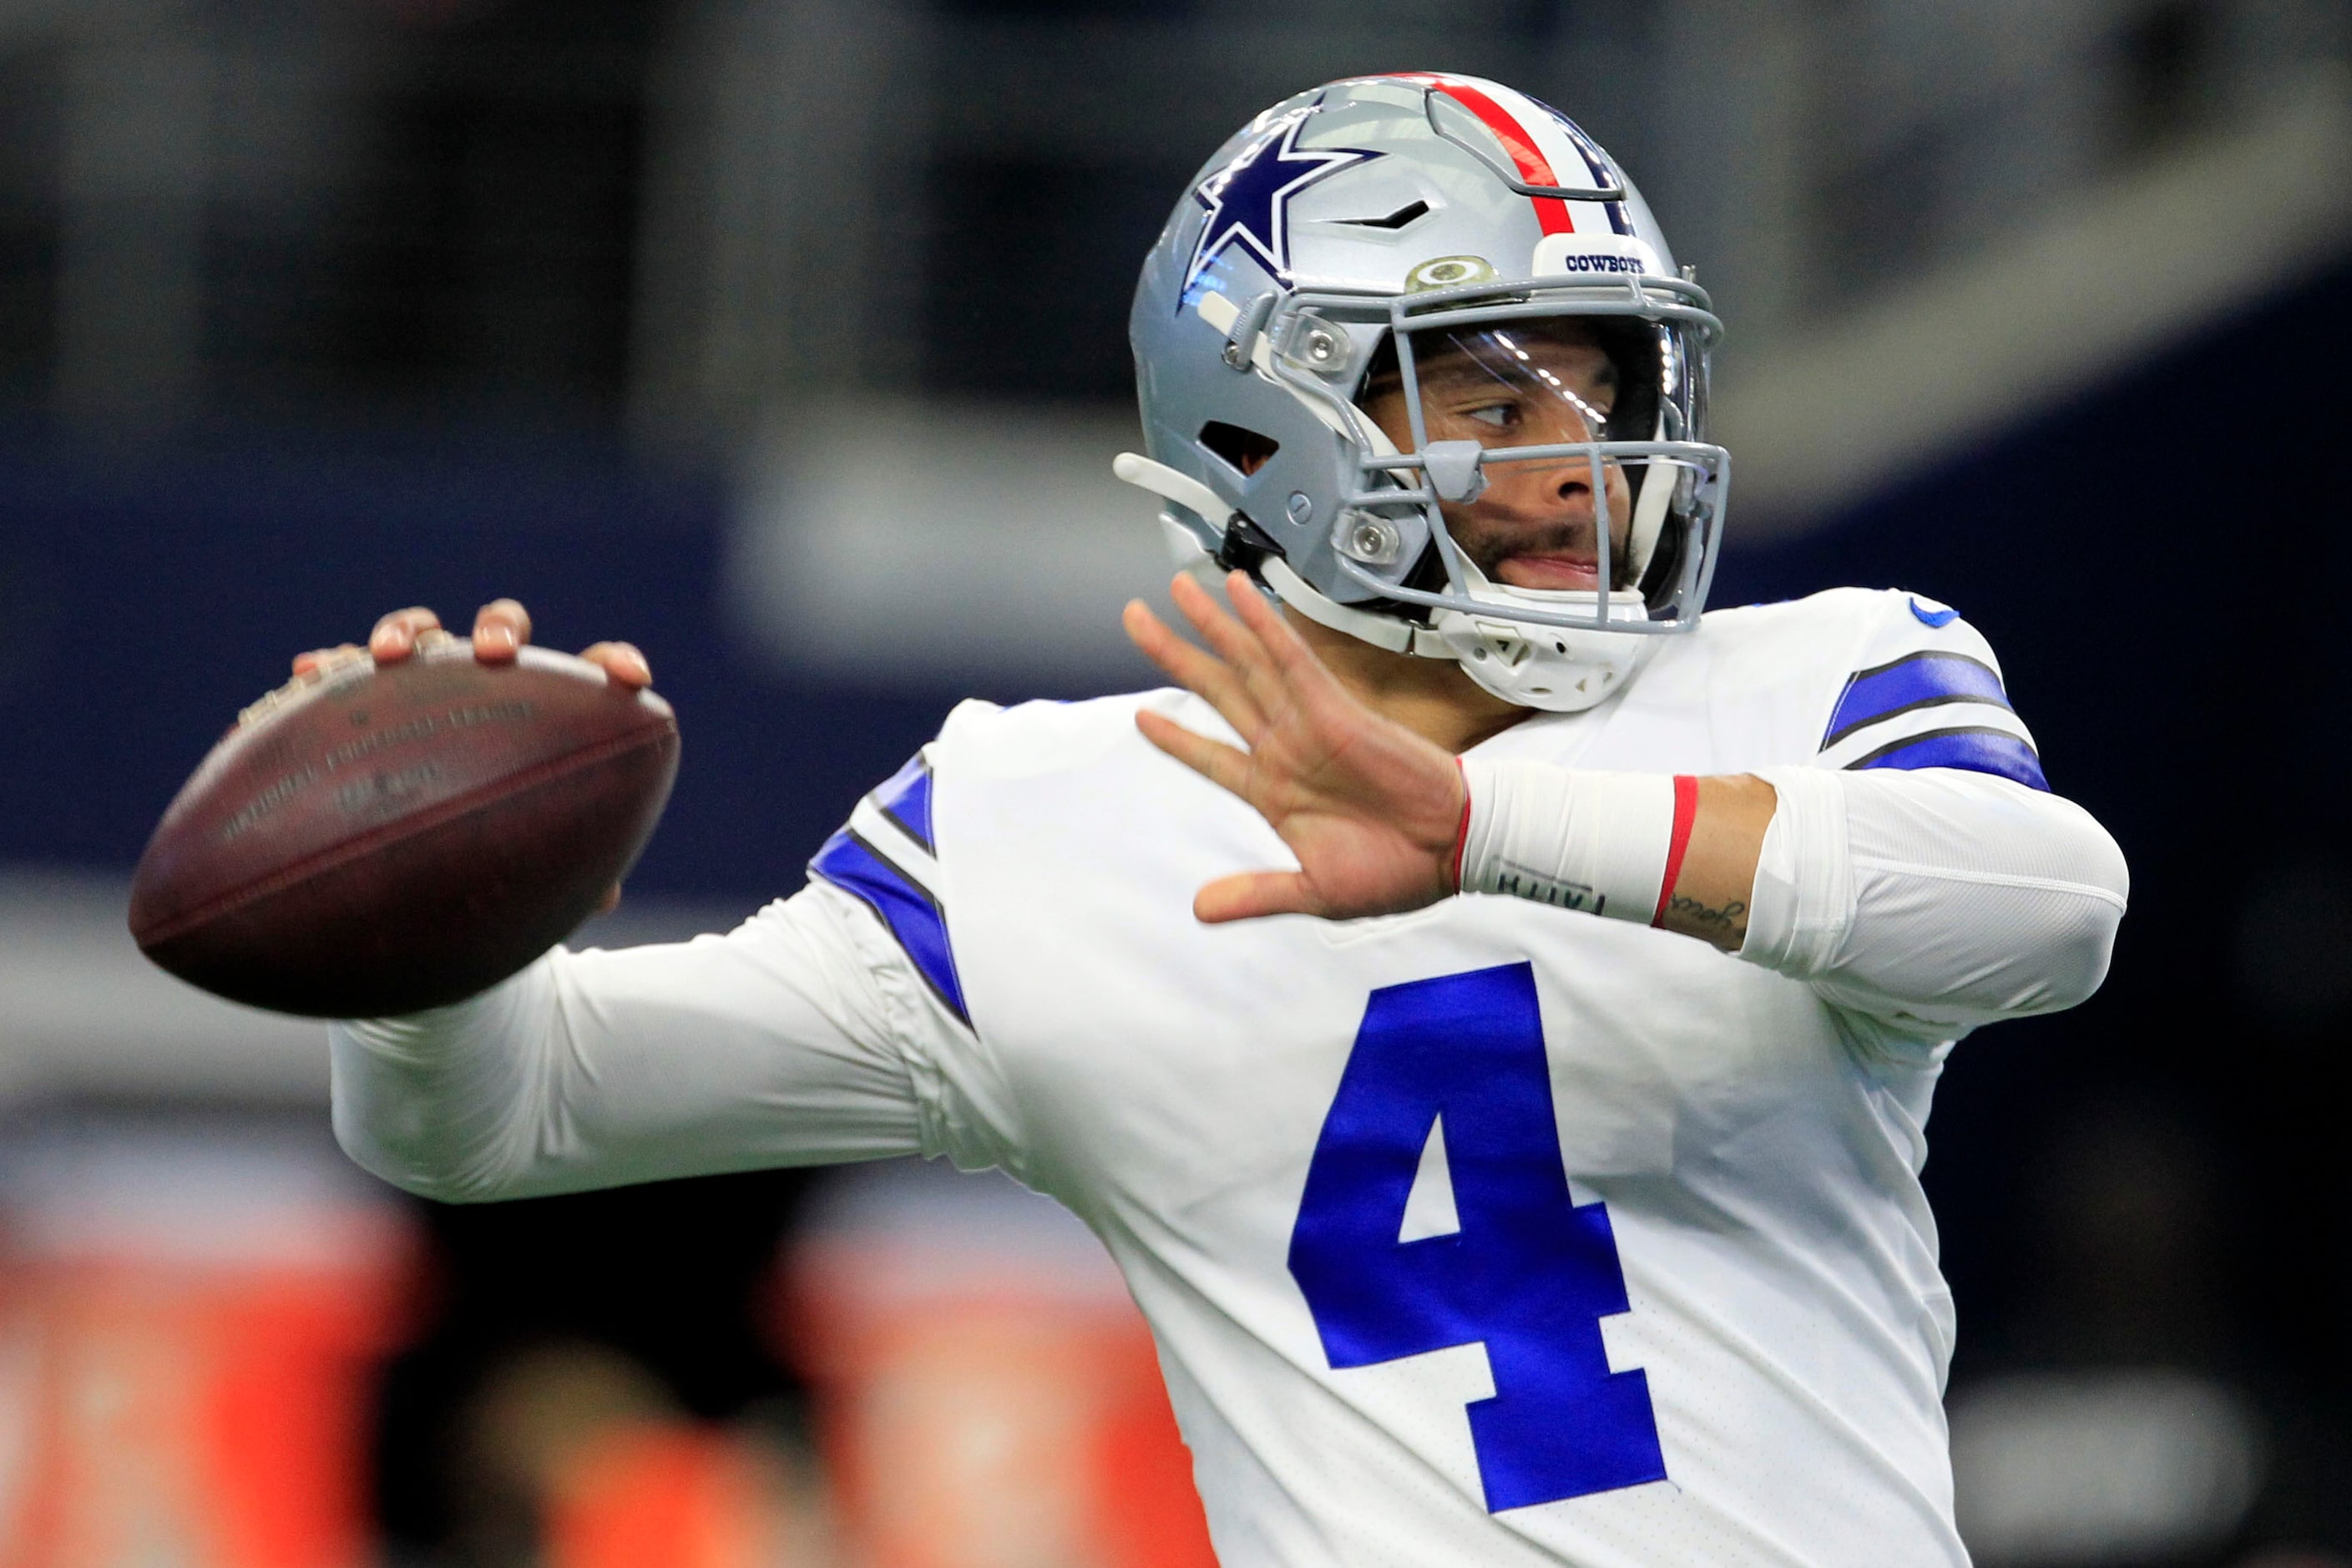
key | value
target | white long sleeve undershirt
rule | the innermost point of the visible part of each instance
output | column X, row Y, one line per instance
column 1924, row 903
column 783, row 1043
column 1934, row 900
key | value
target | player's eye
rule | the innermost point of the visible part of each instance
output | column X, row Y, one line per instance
column 1594, row 411
column 1495, row 416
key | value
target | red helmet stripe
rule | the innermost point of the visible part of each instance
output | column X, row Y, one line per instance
column 1551, row 213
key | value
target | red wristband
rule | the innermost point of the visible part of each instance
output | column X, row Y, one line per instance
column 1685, row 813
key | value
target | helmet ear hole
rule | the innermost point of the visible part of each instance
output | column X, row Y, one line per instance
column 1245, row 451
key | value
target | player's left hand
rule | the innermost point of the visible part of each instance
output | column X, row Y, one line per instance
column 1371, row 809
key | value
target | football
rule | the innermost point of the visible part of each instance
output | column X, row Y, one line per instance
column 375, row 841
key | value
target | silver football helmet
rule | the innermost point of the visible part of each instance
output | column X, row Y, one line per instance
column 1413, row 351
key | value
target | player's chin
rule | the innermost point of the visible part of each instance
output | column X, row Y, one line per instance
column 1552, row 573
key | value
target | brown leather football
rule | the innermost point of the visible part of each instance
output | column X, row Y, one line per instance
column 383, row 840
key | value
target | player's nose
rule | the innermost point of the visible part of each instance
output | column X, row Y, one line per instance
column 1563, row 488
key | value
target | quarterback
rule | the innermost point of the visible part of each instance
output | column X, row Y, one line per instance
column 1489, row 1013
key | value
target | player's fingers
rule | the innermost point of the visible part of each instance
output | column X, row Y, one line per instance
column 620, row 662
column 1232, row 641
column 1331, row 709
column 1282, row 644
column 1200, row 673
column 500, row 628
column 310, row 663
column 1251, row 894
column 1235, row 643
column 395, row 637
column 1240, row 649
column 1214, row 760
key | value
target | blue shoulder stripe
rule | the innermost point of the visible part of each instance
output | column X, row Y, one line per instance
column 915, row 919
column 904, row 797
column 1914, row 680
column 1978, row 748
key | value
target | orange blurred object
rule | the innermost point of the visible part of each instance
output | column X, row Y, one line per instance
column 186, row 1336
column 663, row 1495
column 989, row 1394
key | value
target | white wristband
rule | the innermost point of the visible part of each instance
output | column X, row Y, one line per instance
column 1609, row 843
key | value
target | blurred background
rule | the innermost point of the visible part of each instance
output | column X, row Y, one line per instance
column 786, row 337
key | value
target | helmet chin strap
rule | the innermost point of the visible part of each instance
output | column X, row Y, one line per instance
column 1380, row 631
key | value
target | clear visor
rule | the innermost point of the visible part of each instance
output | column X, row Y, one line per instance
column 1519, row 383
column 1510, row 418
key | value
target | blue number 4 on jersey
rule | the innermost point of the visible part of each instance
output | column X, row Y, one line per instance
column 1529, row 1273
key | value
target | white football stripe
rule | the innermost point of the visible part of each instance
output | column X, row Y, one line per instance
column 1899, row 727
column 894, row 844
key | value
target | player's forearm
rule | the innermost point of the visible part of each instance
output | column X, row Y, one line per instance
column 1714, row 888
column 446, row 1104
column 591, row 1069
column 1935, row 899
column 1938, row 899
column 1677, row 852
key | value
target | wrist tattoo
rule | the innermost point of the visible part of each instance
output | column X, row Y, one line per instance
column 1698, row 913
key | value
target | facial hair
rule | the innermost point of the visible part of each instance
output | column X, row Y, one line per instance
column 1488, row 545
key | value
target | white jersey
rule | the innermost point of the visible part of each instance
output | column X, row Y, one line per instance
column 1489, row 1234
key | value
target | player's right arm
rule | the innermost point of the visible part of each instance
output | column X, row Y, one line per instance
column 777, row 1044
column 804, row 1036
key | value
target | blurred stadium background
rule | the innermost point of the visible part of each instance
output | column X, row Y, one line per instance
column 786, row 337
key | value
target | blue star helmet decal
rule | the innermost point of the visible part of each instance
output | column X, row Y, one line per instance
column 1248, row 200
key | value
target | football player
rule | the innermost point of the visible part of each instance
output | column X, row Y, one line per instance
column 1489, row 1015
